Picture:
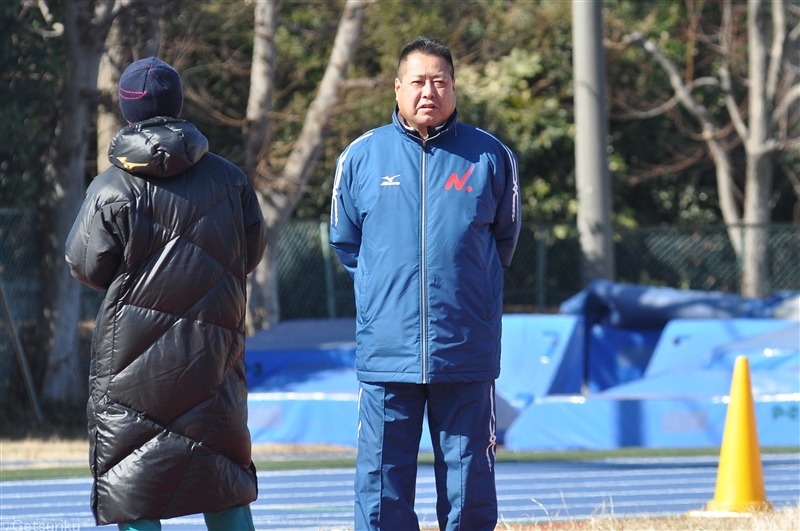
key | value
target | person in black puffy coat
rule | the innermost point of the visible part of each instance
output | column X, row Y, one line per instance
column 170, row 231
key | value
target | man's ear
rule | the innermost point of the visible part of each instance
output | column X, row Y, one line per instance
column 396, row 87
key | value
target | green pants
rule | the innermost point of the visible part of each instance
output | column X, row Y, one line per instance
column 236, row 519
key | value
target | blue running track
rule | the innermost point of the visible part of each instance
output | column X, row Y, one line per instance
column 321, row 500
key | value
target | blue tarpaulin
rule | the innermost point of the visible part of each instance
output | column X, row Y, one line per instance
column 623, row 322
column 622, row 365
column 302, row 382
column 635, row 306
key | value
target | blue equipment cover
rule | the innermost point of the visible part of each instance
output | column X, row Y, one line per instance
column 776, row 350
column 291, row 351
column 637, row 306
column 302, row 382
column 596, row 423
column 683, row 402
column 303, row 386
column 322, row 409
column 304, row 389
column 617, row 355
column 690, row 344
column 700, row 356
column 540, row 355
column 623, row 324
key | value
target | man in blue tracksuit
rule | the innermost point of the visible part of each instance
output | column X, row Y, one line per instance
column 425, row 215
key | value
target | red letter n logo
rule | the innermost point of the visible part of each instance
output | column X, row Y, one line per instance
column 459, row 183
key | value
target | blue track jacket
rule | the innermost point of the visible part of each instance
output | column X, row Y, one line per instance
column 425, row 227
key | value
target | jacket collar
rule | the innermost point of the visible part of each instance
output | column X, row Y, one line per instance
column 438, row 132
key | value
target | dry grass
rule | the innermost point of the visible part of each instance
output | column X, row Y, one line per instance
column 785, row 518
column 32, row 452
column 44, row 452
column 300, row 449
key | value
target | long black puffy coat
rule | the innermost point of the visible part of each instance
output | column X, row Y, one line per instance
column 171, row 232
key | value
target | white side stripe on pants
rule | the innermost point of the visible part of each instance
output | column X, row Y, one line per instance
column 492, row 431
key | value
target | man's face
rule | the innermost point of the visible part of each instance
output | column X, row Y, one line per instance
column 425, row 91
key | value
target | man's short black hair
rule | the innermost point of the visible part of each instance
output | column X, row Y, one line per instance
column 427, row 46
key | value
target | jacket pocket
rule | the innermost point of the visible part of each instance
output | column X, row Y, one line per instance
column 493, row 292
column 362, row 292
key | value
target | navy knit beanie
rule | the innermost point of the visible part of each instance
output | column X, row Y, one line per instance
column 149, row 88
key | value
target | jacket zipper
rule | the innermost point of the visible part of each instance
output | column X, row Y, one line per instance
column 423, row 276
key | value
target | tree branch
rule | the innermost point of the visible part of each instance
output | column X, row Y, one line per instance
column 776, row 53
column 212, row 106
column 657, row 170
column 725, row 74
column 664, row 107
column 792, row 95
column 362, row 83
column 794, row 34
column 682, row 92
column 794, row 143
column 781, row 113
column 41, row 5
column 299, row 30
column 306, row 149
column 792, row 176
column 718, row 153
column 106, row 10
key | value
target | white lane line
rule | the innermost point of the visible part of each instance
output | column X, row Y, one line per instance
column 307, row 472
column 45, row 494
column 281, row 486
column 45, row 482
column 631, row 483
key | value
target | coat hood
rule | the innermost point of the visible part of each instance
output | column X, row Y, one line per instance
column 159, row 147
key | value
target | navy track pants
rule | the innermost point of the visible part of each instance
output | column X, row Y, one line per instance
column 461, row 419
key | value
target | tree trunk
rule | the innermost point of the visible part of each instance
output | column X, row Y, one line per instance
column 65, row 176
column 264, row 303
column 262, row 87
column 759, row 172
column 279, row 196
column 727, row 201
column 758, row 189
column 109, row 117
column 264, row 281
column 135, row 34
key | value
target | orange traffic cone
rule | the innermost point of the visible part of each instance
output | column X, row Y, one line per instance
column 740, row 478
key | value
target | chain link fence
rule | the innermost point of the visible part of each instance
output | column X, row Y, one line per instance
column 702, row 258
column 546, row 266
column 20, row 266
column 545, row 270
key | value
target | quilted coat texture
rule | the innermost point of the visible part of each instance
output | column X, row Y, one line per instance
column 171, row 232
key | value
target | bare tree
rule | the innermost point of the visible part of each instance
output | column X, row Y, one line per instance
column 134, row 34
column 83, row 29
column 280, row 193
column 771, row 92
